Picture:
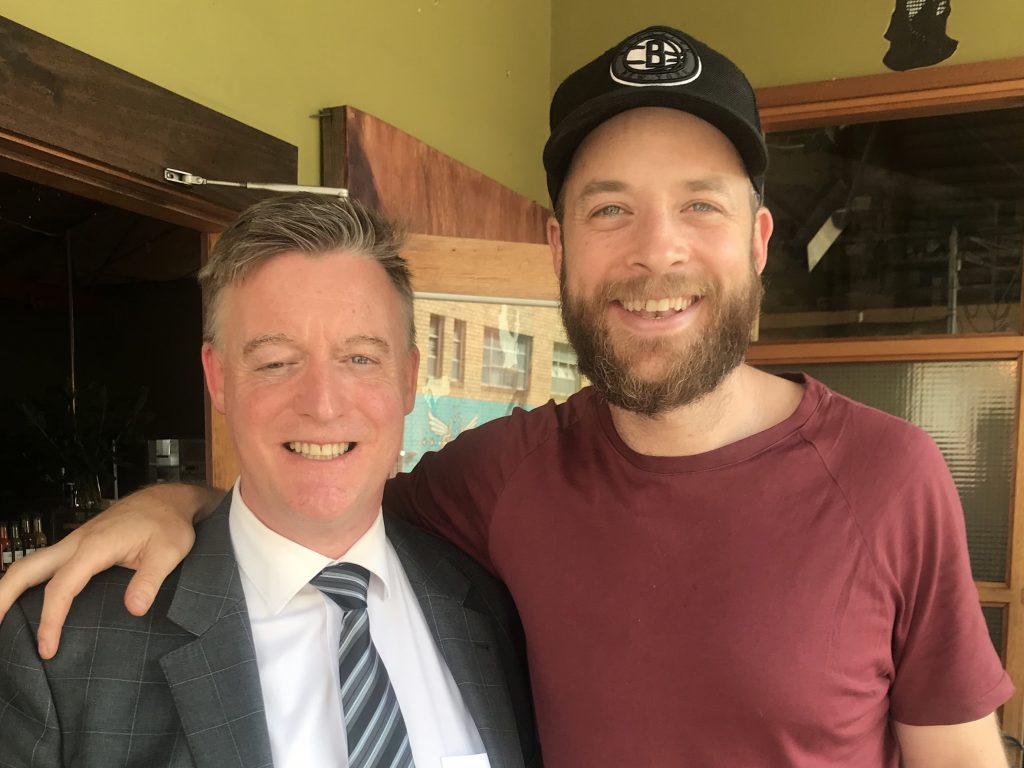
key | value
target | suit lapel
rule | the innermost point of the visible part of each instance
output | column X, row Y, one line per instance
column 464, row 634
column 214, row 679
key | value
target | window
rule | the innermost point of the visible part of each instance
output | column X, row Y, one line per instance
column 435, row 346
column 506, row 359
column 565, row 371
column 458, row 365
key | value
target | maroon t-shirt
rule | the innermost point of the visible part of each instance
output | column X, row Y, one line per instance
column 775, row 602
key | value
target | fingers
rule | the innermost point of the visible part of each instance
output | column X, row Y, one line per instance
column 154, row 567
column 27, row 572
column 62, row 589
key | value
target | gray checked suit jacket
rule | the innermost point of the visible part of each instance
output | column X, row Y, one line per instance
column 180, row 687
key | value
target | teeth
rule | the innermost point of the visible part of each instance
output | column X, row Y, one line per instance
column 319, row 451
column 677, row 304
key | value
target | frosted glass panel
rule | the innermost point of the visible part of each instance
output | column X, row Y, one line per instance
column 968, row 407
column 995, row 618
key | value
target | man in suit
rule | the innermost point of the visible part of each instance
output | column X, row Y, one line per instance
column 257, row 651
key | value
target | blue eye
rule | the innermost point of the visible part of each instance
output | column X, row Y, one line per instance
column 608, row 210
column 703, row 207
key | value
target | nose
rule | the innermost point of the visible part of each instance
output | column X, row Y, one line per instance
column 320, row 393
column 660, row 244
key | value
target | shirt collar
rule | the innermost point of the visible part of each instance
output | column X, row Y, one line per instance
column 278, row 567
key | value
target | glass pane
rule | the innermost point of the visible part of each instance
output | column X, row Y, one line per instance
column 506, row 357
column 896, row 228
column 969, row 409
column 995, row 618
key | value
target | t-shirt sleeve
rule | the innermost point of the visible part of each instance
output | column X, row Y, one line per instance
column 946, row 668
column 453, row 492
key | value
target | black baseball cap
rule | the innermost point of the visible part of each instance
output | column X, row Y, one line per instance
column 656, row 67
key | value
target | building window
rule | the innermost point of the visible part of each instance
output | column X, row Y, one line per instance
column 458, row 351
column 565, row 371
column 435, row 346
column 506, row 359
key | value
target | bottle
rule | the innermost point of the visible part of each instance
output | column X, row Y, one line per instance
column 28, row 541
column 6, row 552
column 17, row 547
column 37, row 532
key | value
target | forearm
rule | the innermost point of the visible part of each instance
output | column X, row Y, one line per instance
column 193, row 503
column 977, row 744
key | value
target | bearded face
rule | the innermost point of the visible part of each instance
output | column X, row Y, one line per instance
column 652, row 375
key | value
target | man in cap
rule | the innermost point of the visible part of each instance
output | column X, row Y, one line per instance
column 713, row 565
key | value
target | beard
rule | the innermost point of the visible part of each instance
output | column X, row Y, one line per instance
column 690, row 370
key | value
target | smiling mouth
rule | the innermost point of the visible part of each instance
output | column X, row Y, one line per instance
column 658, row 308
column 320, row 451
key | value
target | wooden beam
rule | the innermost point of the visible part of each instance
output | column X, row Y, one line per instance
column 975, row 347
column 916, row 93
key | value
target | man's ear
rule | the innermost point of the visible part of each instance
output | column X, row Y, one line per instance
column 764, row 225
column 555, row 244
column 412, row 375
column 213, row 370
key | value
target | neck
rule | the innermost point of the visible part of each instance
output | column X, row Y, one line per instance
column 747, row 401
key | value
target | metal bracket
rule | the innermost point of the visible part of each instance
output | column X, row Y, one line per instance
column 190, row 179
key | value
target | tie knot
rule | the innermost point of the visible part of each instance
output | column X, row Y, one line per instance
column 345, row 584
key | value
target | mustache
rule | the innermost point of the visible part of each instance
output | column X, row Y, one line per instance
column 657, row 286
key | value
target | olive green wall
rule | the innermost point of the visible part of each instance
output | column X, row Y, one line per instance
column 469, row 77
column 782, row 41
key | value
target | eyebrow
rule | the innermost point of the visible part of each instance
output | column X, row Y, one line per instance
column 707, row 184
column 263, row 341
column 600, row 186
column 271, row 339
column 375, row 341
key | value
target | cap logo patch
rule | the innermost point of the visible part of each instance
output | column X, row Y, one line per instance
column 655, row 57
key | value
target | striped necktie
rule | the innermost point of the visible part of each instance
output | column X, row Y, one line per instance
column 373, row 721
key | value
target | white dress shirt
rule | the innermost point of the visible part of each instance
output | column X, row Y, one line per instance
column 296, row 631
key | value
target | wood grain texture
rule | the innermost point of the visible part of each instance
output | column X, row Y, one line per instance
column 62, row 98
column 62, row 170
column 221, row 459
column 504, row 269
column 428, row 191
column 916, row 93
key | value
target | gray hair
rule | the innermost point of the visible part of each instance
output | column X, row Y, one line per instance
column 308, row 223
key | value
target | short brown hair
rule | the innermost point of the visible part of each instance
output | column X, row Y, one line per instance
column 308, row 223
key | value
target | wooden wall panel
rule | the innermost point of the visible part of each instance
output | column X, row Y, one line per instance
column 221, row 460
column 60, row 97
column 503, row 269
column 430, row 192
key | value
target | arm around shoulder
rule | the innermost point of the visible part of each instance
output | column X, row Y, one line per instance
column 149, row 532
column 976, row 744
